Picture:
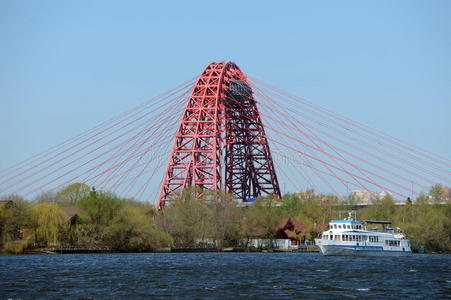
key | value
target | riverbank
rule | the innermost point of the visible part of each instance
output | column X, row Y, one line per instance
column 124, row 225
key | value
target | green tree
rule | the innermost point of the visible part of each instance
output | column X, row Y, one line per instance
column 100, row 207
column 226, row 218
column 132, row 230
column 437, row 194
column 15, row 219
column 311, row 210
column 50, row 197
column 74, row 192
column 187, row 219
column 260, row 219
column 50, row 224
column 381, row 209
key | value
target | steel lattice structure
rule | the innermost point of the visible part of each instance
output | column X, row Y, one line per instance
column 220, row 143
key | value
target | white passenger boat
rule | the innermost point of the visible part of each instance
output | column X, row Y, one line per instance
column 351, row 237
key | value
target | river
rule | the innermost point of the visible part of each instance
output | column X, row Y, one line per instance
column 222, row 275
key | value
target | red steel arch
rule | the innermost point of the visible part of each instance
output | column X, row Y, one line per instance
column 220, row 143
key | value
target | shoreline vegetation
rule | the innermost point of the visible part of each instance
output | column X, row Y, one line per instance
column 78, row 217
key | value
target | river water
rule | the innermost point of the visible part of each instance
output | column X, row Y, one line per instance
column 223, row 275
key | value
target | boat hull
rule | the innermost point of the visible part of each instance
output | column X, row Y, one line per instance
column 358, row 251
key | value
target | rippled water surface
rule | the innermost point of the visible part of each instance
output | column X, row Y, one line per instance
column 223, row 275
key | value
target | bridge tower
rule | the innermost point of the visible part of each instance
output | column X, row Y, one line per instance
column 220, row 143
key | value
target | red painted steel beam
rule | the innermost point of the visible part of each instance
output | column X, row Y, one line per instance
column 213, row 133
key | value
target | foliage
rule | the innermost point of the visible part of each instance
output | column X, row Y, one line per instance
column 49, row 223
column 426, row 224
column 423, row 223
column 437, row 194
column 381, row 209
column 73, row 192
column 187, row 220
column 100, row 207
column 15, row 215
column 227, row 218
column 132, row 230
column 129, row 225
column 261, row 218
column 311, row 210
column 17, row 246
column 50, row 196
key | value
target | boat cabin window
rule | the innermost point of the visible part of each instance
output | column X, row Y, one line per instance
column 392, row 243
column 339, row 226
column 374, row 239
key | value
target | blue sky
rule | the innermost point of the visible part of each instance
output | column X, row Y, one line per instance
column 65, row 66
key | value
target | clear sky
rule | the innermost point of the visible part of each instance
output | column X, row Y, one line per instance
column 65, row 66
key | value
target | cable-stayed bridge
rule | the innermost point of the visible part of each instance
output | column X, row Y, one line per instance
column 225, row 130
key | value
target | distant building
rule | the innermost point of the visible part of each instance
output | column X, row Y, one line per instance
column 72, row 212
column 289, row 228
column 365, row 196
column 446, row 193
column 361, row 195
column 258, row 243
column 287, row 237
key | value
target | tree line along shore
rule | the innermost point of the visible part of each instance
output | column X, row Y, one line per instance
column 78, row 216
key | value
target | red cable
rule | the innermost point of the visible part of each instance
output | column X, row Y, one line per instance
column 52, row 149
column 330, row 155
column 65, row 165
column 351, row 154
column 359, row 125
column 349, row 123
column 311, row 167
column 160, row 124
column 275, row 108
column 368, row 145
column 102, row 131
column 340, row 169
